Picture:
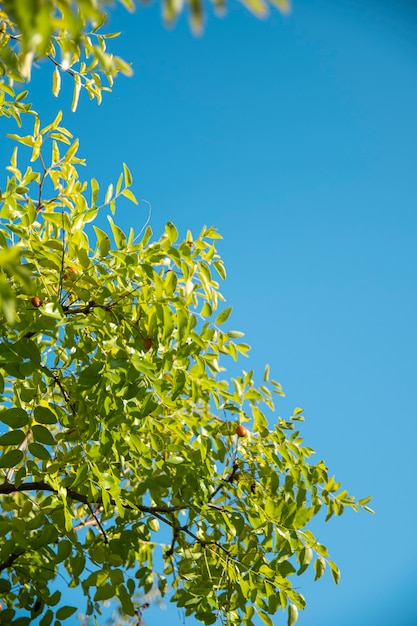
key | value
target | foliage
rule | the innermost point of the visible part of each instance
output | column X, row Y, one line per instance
column 68, row 33
column 121, row 441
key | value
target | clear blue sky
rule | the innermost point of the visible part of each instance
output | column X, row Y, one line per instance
column 297, row 138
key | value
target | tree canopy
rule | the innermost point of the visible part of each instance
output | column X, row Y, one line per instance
column 130, row 462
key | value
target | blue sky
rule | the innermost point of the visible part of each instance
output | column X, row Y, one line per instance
column 297, row 138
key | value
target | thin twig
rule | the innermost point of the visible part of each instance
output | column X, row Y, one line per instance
column 103, row 532
column 61, row 275
column 40, row 204
column 230, row 479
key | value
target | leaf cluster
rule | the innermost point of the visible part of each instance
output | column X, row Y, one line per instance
column 118, row 425
column 69, row 35
column 121, row 439
column 66, row 34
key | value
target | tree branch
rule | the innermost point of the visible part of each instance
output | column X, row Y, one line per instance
column 90, row 522
column 39, row 485
column 156, row 511
column 10, row 560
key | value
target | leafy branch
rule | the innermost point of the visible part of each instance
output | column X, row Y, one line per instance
column 8, row 488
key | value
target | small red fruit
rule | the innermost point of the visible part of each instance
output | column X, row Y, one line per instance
column 241, row 431
column 147, row 343
column 70, row 272
column 36, row 301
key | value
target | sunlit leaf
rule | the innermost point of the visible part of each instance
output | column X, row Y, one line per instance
column 224, row 315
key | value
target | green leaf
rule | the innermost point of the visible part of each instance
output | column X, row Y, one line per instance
column 12, row 438
column 334, row 571
column 47, row 618
column 15, row 417
column 103, row 241
column 319, row 567
column 131, row 196
column 43, row 435
column 125, row 600
column 105, row 592
column 153, row 524
column 56, row 82
column 207, row 311
column 76, row 93
column 65, row 611
column 292, row 615
column 22, row 621
column 223, row 316
column 178, row 384
column 305, row 558
column 170, row 283
column 64, row 550
column 171, row 231
column 95, row 188
column 39, row 451
column 182, row 323
column 109, row 194
column 364, row 501
column 258, row 7
column 81, row 476
column 331, row 485
column 54, row 125
column 146, row 236
column 77, row 564
column 367, row 508
column 220, row 269
column 322, row 550
column 72, row 150
column 265, row 618
column 118, row 234
column 127, row 174
column 11, row 458
column 43, row 415
column 27, row 141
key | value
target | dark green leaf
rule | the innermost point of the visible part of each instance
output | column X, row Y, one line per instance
column 39, row 451
column 47, row 618
column 43, row 435
column 65, row 611
column 14, row 437
column 105, row 592
column 15, row 417
column 11, row 458
column 64, row 550
column 43, row 415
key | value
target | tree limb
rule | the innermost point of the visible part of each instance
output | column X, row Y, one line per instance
column 7, row 488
